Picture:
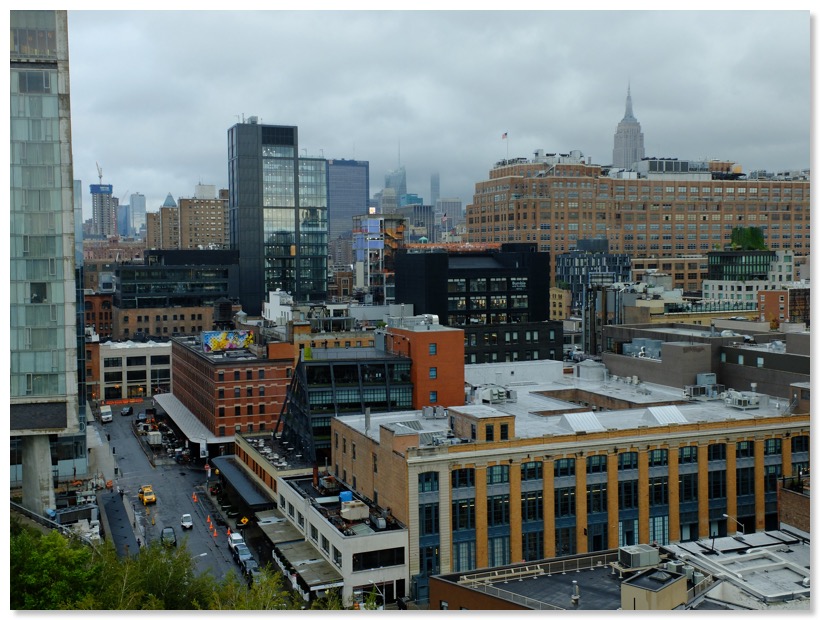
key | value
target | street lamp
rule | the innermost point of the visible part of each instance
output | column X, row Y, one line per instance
column 742, row 529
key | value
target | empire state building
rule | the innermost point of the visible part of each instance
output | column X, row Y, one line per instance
column 628, row 147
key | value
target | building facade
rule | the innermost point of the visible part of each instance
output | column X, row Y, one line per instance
column 484, row 485
column 277, row 214
column 499, row 298
column 231, row 389
column 203, row 220
column 555, row 200
column 348, row 192
column 47, row 414
column 103, row 211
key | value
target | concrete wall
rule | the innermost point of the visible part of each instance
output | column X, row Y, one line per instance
column 679, row 364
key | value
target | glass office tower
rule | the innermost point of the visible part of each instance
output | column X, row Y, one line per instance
column 277, row 214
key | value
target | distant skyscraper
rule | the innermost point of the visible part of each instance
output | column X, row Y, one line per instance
column 277, row 214
column 348, row 191
column 137, row 212
column 397, row 180
column 435, row 188
column 124, row 227
column 628, row 138
column 46, row 406
column 103, row 210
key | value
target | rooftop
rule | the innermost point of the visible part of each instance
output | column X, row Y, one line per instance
column 544, row 410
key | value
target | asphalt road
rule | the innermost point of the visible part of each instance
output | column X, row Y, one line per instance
column 174, row 486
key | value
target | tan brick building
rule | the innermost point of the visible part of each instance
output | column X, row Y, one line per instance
column 668, row 209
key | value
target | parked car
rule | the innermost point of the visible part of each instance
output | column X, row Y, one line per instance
column 127, row 411
column 187, row 522
column 235, row 539
column 142, row 417
column 146, row 495
column 241, row 553
column 251, row 570
column 168, row 537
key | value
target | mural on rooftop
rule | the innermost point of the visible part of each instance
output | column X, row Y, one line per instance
column 226, row 341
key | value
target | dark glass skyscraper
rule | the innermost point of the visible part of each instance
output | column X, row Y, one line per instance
column 348, row 183
column 277, row 214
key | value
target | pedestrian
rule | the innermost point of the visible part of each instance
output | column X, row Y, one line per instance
column 139, row 543
column 121, row 492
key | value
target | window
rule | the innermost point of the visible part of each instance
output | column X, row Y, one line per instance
column 344, row 445
column 659, row 491
column 505, row 432
column 314, row 533
column 717, row 452
column 353, row 449
column 658, row 458
column 428, row 519
column 688, row 454
column 627, row 494
column 745, row 481
column 499, row 550
column 800, row 443
column 498, row 474
column 688, row 487
column 432, row 349
column 462, row 478
column 596, row 498
column 532, row 506
column 596, row 464
column 717, row 484
column 464, row 556
column 532, row 545
column 463, row 514
column 627, row 461
column 564, row 467
column 532, row 470
column 565, row 502
column 772, row 446
column 428, row 482
column 745, row 449
column 489, row 432
column 498, row 510
column 433, row 372
column 375, row 465
column 433, row 396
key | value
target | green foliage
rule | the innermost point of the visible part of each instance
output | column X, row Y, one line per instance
column 332, row 600
column 751, row 238
column 267, row 593
column 49, row 571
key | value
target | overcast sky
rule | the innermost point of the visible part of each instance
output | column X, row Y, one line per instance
column 153, row 93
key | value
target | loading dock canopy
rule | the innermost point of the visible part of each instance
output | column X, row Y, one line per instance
column 240, row 480
column 294, row 553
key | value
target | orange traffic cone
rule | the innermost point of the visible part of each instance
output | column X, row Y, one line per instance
column 208, row 519
column 193, row 496
column 195, row 499
column 229, row 531
column 214, row 533
column 211, row 526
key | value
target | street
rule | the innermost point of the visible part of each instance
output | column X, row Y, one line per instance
column 175, row 486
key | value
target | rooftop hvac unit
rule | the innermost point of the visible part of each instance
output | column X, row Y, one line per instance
column 354, row 510
column 378, row 522
column 689, row 571
column 697, row 577
column 706, row 378
column 638, row 556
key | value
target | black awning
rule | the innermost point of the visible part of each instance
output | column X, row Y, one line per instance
column 241, row 481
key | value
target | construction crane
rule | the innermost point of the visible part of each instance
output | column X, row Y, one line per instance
column 99, row 172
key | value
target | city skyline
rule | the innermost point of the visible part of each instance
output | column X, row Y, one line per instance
column 431, row 91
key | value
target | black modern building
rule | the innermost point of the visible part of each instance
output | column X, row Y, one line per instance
column 168, row 278
column 590, row 265
column 499, row 298
column 739, row 265
column 328, row 383
column 277, row 214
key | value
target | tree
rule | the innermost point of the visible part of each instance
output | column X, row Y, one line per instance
column 48, row 571
column 751, row 238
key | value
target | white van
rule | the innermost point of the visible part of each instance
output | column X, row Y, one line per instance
column 105, row 414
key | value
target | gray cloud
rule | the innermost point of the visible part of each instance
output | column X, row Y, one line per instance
column 154, row 92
